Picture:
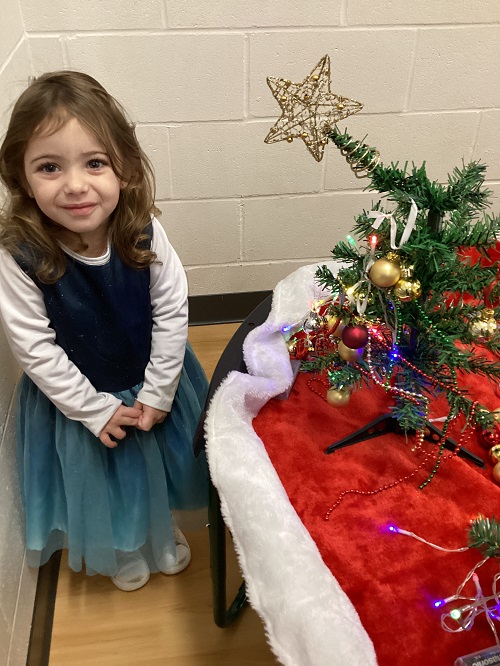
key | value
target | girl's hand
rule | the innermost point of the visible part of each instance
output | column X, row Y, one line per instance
column 149, row 416
column 114, row 428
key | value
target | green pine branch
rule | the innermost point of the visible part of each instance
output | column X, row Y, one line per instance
column 484, row 534
column 434, row 331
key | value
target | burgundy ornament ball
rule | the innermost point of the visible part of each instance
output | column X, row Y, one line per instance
column 490, row 438
column 355, row 336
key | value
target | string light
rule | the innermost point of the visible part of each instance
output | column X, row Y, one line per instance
column 398, row 530
column 352, row 242
column 462, row 617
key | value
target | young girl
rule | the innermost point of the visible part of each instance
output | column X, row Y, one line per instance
column 93, row 301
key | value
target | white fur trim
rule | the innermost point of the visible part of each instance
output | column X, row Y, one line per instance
column 308, row 618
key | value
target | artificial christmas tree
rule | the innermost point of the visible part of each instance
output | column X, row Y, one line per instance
column 407, row 281
column 415, row 313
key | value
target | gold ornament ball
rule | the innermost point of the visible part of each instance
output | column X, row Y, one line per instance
column 496, row 473
column 495, row 454
column 482, row 329
column 348, row 354
column 337, row 397
column 335, row 326
column 384, row 273
column 407, row 289
column 495, row 413
column 291, row 344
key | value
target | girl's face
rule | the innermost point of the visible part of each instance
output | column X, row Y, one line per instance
column 69, row 175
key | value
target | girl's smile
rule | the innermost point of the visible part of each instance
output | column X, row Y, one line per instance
column 70, row 176
column 80, row 209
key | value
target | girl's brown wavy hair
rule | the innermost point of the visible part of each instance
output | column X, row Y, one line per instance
column 43, row 108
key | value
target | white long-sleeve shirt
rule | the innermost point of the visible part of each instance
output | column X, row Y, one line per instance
column 32, row 339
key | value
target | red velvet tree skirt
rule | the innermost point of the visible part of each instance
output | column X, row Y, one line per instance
column 391, row 579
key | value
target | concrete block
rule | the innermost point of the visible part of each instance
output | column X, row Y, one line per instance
column 381, row 12
column 159, row 78
column 154, row 142
column 5, row 634
column 11, row 28
column 442, row 140
column 299, row 227
column 495, row 198
column 456, row 68
column 13, row 80
column 487, row 148
column 9, row 373
column 370, row 66
column 46, row 54
column 11, row 528
column 224, row 160
column 203, row 232
column 91, row 15
column 242, row 277
column 24, row 616
column 228, row 14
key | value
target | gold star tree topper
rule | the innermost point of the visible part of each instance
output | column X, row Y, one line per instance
column 309, row 109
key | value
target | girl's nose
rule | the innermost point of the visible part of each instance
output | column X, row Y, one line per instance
column 75, row 181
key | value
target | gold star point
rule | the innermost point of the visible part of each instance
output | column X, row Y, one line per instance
column 309, row 109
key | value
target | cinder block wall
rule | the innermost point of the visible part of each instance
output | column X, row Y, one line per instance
column 192, row 74
column 17, row 582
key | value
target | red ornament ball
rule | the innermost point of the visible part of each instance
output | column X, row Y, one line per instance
column 355, row 336
column 496, row 473
column 298, row 348
column 490, row 438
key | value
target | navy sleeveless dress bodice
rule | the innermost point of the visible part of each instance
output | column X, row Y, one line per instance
column 102, row 315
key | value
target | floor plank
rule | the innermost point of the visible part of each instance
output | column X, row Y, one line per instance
column 169, row 621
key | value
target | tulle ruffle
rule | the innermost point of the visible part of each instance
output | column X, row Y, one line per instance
column 96, row 501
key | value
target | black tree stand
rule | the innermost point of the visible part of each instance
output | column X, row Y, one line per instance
column 387, row 424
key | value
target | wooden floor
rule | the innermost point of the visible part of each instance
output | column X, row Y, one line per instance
column 169, row 621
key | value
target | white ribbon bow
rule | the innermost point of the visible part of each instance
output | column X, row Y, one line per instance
column 409, row 226
column 361, row 304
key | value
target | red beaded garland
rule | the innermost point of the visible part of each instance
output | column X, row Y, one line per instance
column 493, row 436
column 387, row 486
column 353, row 491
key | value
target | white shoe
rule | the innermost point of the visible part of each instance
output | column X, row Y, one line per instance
column 169, row 564
column 133, row 571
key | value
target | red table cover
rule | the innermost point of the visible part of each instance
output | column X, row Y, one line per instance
column 391, row 579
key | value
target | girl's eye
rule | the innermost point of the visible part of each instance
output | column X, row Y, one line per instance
column 96, row 164
column 48, row 168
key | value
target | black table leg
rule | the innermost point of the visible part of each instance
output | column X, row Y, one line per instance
column 223, row 616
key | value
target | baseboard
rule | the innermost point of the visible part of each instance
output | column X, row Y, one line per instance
column 223, row 308
column 43, row 612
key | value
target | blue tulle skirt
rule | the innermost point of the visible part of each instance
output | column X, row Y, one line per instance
column 96, row 501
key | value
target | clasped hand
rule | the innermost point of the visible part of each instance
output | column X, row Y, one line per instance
column 139, row 416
